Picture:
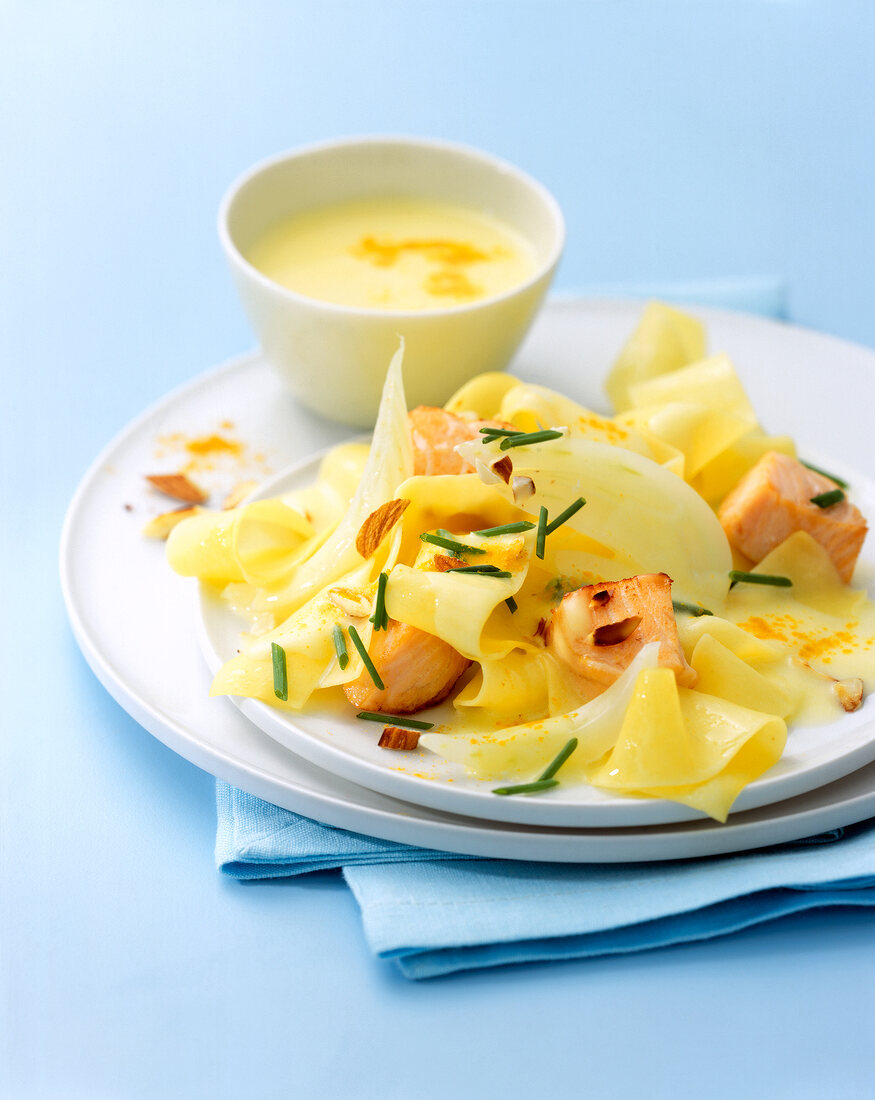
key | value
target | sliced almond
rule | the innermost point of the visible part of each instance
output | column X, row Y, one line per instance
column 523, row 488
column 504, row 468
column 378, row 524
column 351, row 601
column 240, row 491
column 849, row 693
column 485, row 472
column 393, row 737
column 178, row 486
column 614, row 633
column 443, row 563
column 161, row 526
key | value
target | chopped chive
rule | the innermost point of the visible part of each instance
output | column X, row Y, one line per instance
column 507, row 528
column 280, row 672
column 340, row 646
column 485, row 570
column 451, row 544
column 558, row 760
column 736, row 575
column 542, row 533
column 394, row 720
column 567, row 514
column 827, row 499
column 690, row 608
column 528, row 788
column 512, row 604
column 530, row 437
column 824, row 473
column 368, row 663
column 379, row 618
column 494, row 433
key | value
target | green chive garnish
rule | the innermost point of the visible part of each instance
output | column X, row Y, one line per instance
column 690, row 608
column 512, row 604
column 486, row 570
column 394, row 720
column 542, row 532
column 826, row 500
column 368, row 663
column 825, row 473
column 507, row 528
column 528, row 788
column 496, row 433
column 567, row 514
column 340, row 646
column 280, row 672
column 736, row 575
column 379, row 618
column 558, row 760
column 451, row 544
column 530, row 437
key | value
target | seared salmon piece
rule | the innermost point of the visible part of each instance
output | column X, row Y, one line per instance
column 417, row 668
column 773, row 501
column 598, row 630
column 435, row 432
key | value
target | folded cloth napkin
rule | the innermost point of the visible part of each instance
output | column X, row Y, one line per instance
column 436, row 912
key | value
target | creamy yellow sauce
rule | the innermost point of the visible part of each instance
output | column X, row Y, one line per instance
column 395, row 254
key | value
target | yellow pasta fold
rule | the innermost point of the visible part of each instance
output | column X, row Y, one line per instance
column 254, row 543
column 681, row 744
column 307, row 638
column 664, row 340
column 458, row 607
column 522, row 751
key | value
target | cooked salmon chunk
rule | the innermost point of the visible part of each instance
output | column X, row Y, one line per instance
column 773, row 501
column 417, row 668
column 597, row 630
column 435, row 432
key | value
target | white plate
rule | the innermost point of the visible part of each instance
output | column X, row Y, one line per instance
column 335, row 740
column 133, row 617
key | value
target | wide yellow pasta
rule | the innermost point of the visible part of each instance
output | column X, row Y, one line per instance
column 649, row 479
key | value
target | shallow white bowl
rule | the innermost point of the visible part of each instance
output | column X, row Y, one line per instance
column 334, row 357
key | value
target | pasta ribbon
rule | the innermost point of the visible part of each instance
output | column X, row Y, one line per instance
column 681, row 744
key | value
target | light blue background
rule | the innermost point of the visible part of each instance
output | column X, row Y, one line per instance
column 684, row 140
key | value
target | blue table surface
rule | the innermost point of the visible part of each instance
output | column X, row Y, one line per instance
column 683, row 141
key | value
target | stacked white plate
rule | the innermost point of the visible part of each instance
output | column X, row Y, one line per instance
column 150, row 636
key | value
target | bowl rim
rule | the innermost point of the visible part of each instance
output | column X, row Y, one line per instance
column 490, row 160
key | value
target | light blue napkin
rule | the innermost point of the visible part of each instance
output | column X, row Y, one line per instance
column 435, row 912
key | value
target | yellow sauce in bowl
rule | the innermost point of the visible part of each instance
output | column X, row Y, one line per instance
column 395, row 254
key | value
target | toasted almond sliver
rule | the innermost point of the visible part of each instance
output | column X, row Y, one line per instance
column 240, row 491
column 504, row 468
column 443, row 563
column 378, row 524
column 178, row 486
column 161, row 526
column 351, row 601
column 849, row 693
column 523, row 488
column 393, row 737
